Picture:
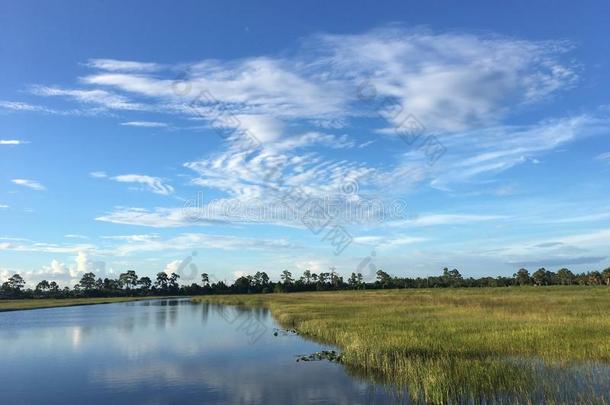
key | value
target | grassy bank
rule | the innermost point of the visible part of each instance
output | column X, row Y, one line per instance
column 447, row 343
column 17, row 305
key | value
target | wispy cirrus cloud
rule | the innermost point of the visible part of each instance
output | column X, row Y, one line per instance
column 559, row 261
column 450, row 81
column 23, row 106
column 382, row 242
column 144, row 124
column 152, row 184
column 155, row 218
column 594, row 217
column 98, row 175
column 133, row 244
column 570, row 249
column 24, row 245
column 13, row 142
column 448, row 219
column 114, row 65
column 99, row 97
column 302, row 104
column 604, row 157
column 31, row 184
column 493, row 150
column 75, row 236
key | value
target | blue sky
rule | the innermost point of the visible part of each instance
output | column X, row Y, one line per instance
column 460, row 134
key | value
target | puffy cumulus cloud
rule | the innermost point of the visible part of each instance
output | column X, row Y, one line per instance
column 172, row 267
column 64, row 273
column 56, row 268
column 237, row 274
column 5, row 274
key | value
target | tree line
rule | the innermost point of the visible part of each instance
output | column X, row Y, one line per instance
column 129, row 284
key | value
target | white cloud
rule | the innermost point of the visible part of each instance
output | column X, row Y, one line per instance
column 264, row 128
column 365, row 144
column 172, row 267
column 64, row 274
column 96, row 96
column 450, row 82
column 580, row 218
column 12, row 142
column 144, row 124
column 595, row 238
column 309, row 139
column 21, row 106
column 159, row 218
column 195, row 241
column 604, row 156
column 41, row 247
column 153, row 184
column 239, row 273
column 382, row 242
column 133, row 238
column 32, row 184
column 451, row 219
column 98, row 175
column 114, row 65
column 492, row 150
column 460, row 86
column 75, row 236
column 3, row 206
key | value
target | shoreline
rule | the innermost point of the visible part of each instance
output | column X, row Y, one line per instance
column 47, row 303
column 440, row 344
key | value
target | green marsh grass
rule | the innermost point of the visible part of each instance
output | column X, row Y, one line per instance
column 456, row 344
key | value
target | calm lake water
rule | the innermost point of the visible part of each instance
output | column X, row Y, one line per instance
column 165, row 351
column 175, row 351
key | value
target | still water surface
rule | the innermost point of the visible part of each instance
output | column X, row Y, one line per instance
column 175, row 351
column 165, row 351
